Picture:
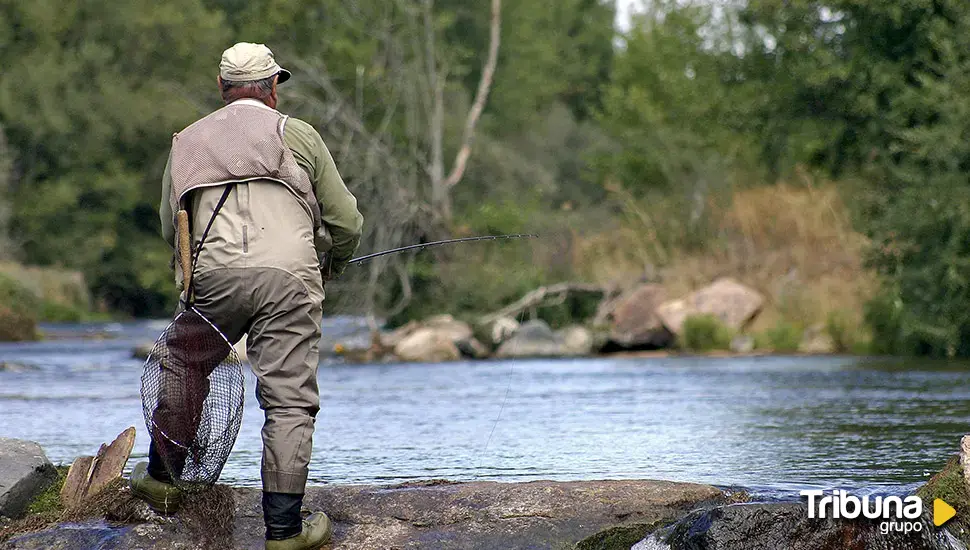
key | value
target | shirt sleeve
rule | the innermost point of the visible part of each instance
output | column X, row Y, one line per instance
column 165, row 214
column 338, row 206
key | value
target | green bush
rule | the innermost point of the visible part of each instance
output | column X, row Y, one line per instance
column 705, row 333
column 18, row 311
column 844, row 332
column 783, row 337
column 54, row 312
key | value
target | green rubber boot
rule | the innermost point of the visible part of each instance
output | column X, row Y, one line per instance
column 162, row 497
column 317, row 531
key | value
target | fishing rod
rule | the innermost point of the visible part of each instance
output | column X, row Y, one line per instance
column 421, row 246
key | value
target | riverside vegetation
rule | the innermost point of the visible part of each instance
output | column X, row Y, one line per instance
column 812, row 150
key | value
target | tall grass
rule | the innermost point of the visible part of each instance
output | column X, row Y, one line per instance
column 794, row 242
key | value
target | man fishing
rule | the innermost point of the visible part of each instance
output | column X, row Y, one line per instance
column 280, row 223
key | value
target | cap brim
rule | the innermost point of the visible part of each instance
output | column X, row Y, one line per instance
column 284, row 76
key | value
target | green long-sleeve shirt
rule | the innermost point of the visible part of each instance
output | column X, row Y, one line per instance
column 338, row 207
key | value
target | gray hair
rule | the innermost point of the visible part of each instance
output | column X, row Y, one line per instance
column 255, row 89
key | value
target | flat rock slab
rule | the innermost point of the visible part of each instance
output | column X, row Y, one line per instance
column 426, row 516
column 482, row 515
column 24, row 473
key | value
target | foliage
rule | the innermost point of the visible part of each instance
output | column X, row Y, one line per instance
column 948, row 485
column 18, row 311
column 710, row 138
column 844, row 332
column 49, row 501
column 705, row 333
column 783, row 337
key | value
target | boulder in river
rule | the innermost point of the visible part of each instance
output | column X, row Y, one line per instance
column 438, row 338
column 24, row 473
column 733, row 303
column 539, row 515
column 427, row 345
column 535, row 339
column 636, row 324
column 502, row 329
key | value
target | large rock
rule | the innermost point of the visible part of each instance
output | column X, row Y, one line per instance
column 785, row 525
column 535, row 339
column 576, row 340
column 636, row 324
column 541, row 515
column 427, row 345
column 24, row 473
column 734, row 304
column 438, row 338
column 502, row 329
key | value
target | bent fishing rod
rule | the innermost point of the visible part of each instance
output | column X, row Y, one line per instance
column 422, row 246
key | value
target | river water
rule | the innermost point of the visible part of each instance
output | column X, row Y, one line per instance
column 774, row 425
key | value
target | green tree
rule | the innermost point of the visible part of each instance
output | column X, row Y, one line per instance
column 90, row 94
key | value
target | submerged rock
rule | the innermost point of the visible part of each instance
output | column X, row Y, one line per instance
column 541, row 515
column 7, row 366
column 24, row 473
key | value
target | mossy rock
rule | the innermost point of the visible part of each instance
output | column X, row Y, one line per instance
column 621, row 537
column 18, row 311
column 949, row 486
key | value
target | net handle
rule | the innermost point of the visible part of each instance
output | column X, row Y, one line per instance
column 184, row 246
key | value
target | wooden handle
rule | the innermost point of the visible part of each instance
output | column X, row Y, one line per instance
column 184, row 246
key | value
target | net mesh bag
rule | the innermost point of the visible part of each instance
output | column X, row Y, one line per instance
column 192, row 393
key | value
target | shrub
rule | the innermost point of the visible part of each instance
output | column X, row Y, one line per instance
column 844, row 332
column 18, row 311
column 705, row 333
column 783, row 337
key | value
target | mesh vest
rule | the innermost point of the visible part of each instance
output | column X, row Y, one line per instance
column 238, row 143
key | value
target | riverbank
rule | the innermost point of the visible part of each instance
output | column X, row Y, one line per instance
column 540, row 515
column 430, row 515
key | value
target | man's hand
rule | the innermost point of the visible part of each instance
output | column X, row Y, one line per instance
column 326, row 267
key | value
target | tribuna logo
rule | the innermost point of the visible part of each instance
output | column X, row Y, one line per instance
column 897, row 514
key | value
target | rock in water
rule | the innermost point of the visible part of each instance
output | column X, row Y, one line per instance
column 533, row 339
column 24, row 473
column 734, row 304
column 427, row 345
column 576, row 340
column 502, row 329
column 636, row 324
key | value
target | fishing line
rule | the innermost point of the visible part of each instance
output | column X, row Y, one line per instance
column 505, row 400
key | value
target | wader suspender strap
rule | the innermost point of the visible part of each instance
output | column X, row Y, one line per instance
column 190, row 295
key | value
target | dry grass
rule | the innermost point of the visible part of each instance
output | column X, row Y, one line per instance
column 794, row 243
column 208, row 516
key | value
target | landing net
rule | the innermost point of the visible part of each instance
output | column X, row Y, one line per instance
column 192, row 392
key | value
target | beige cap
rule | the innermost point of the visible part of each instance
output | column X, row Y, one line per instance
column 245, row 62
